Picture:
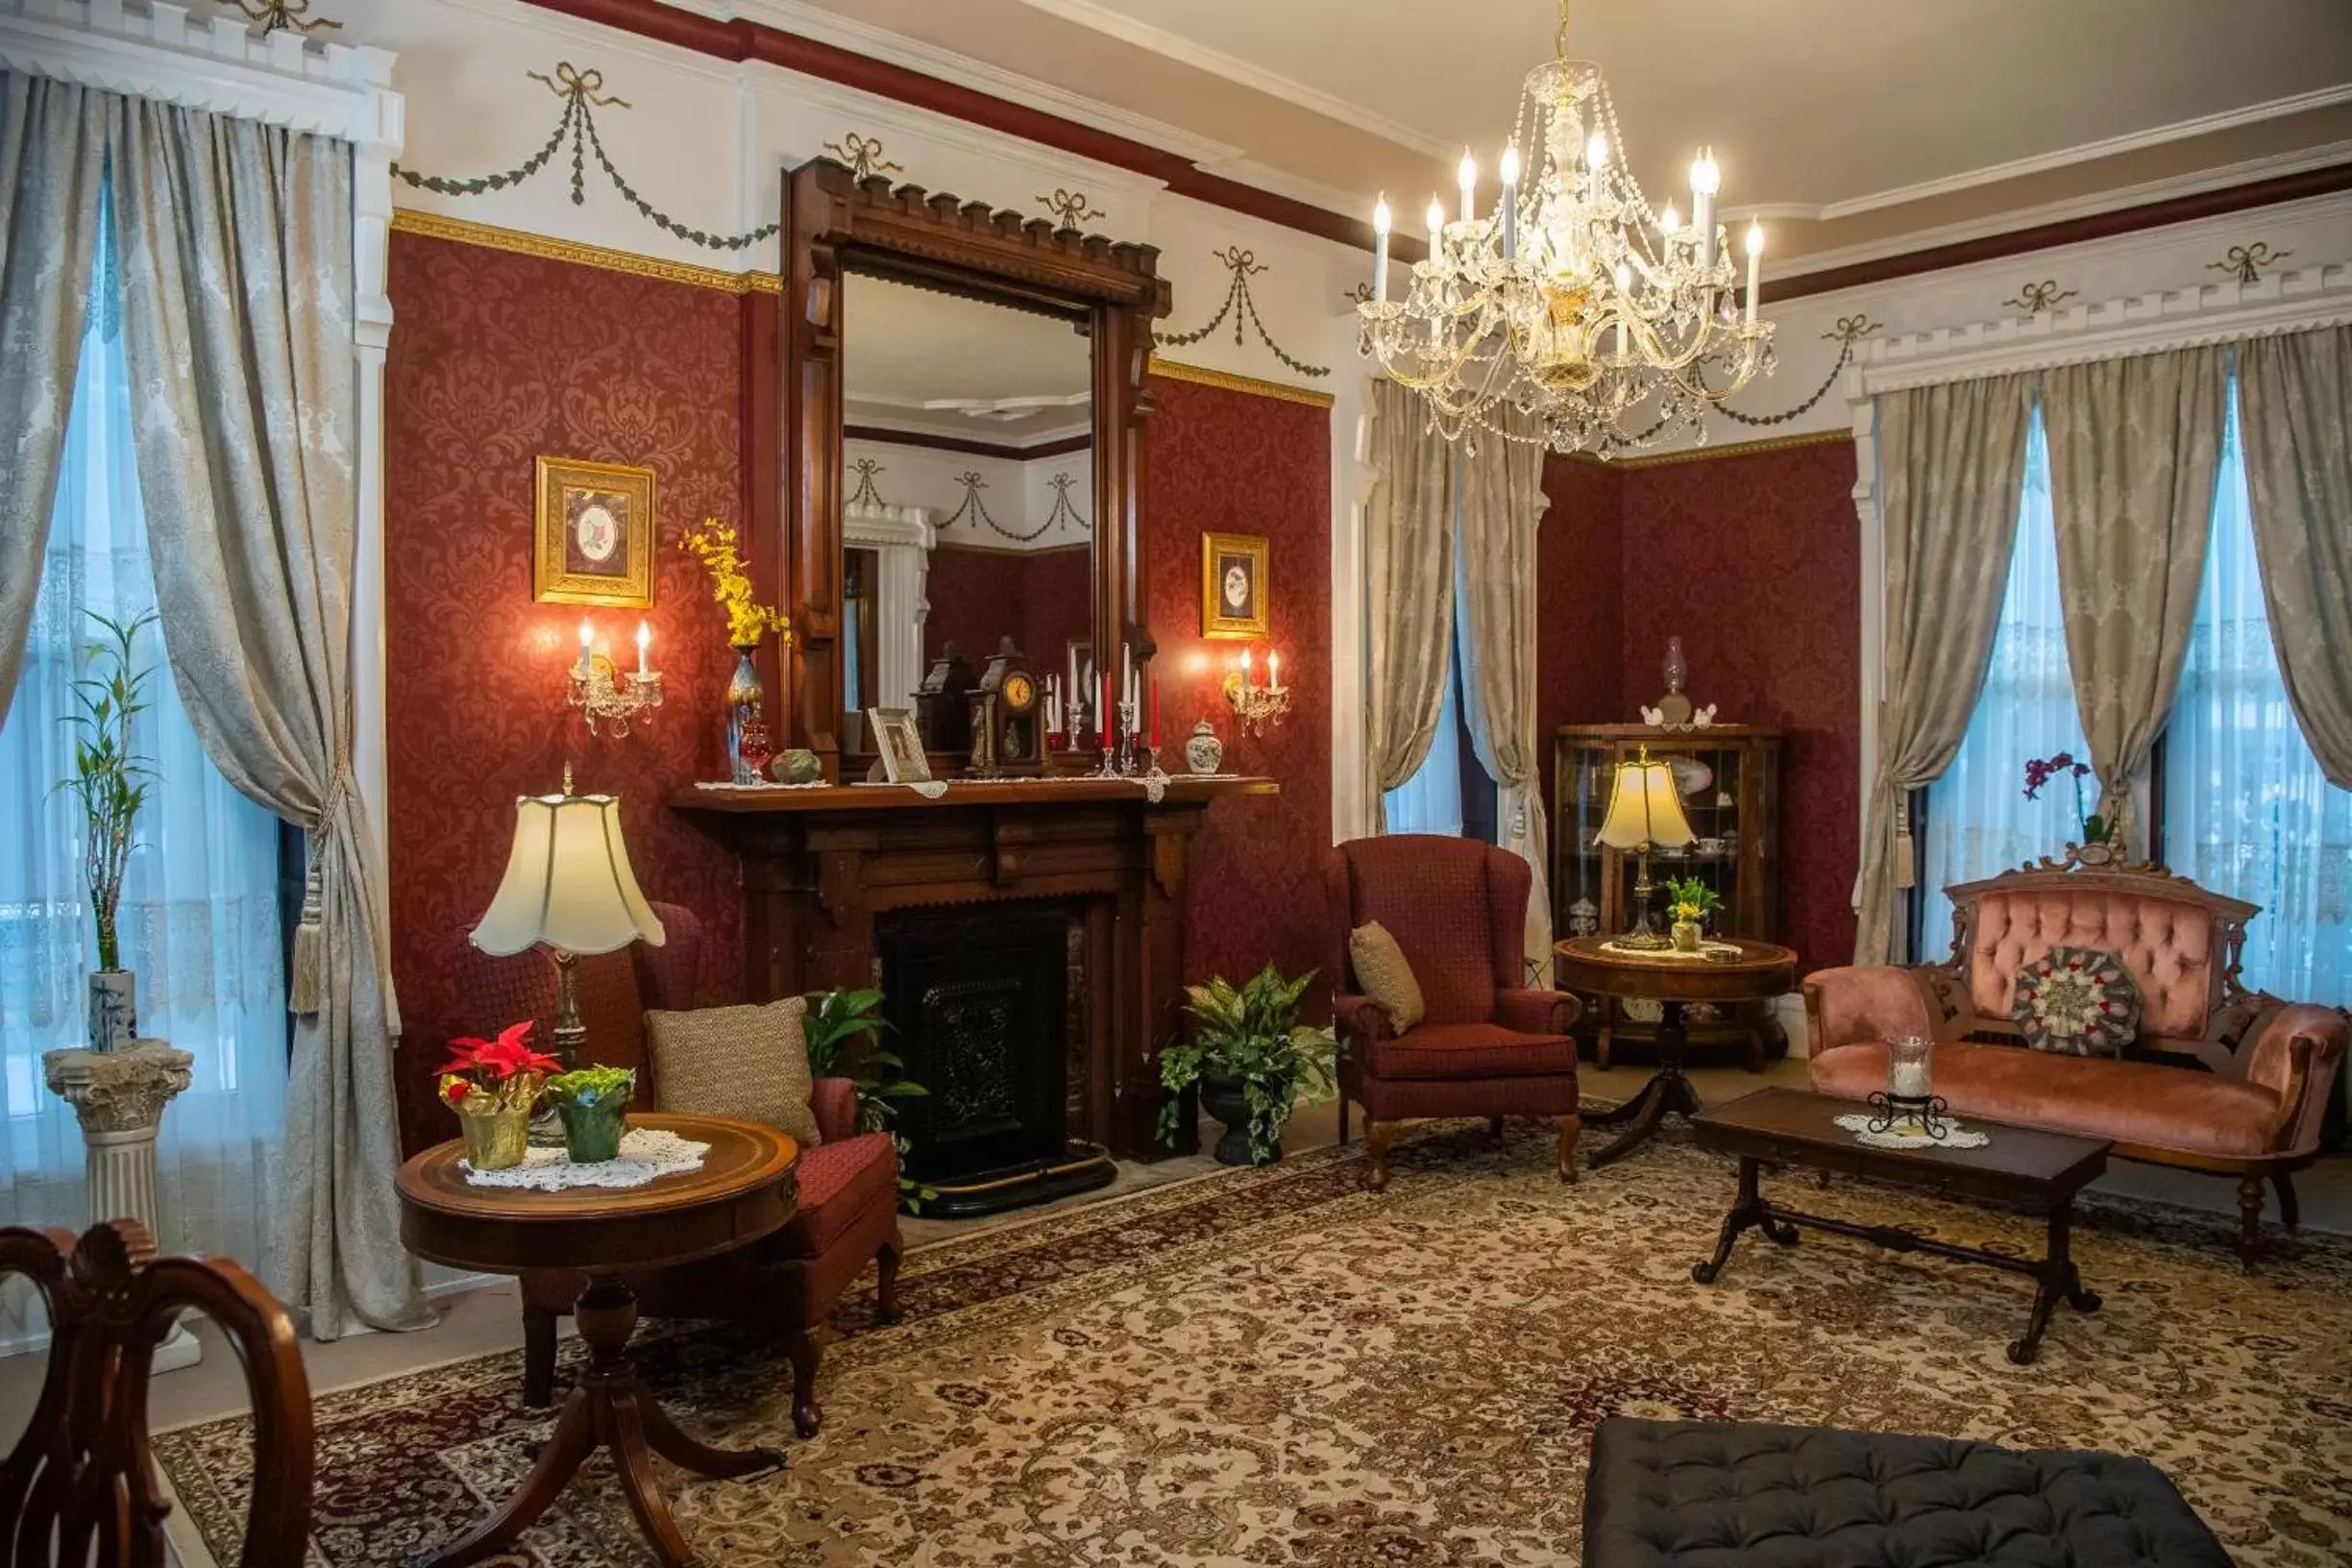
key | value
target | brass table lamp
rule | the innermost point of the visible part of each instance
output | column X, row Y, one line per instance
column 1644, row 809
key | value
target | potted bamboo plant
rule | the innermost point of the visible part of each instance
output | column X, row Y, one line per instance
column 110, row 782
column 1254, row 1061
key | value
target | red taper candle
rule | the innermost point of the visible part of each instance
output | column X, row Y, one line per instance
column 1108, row 711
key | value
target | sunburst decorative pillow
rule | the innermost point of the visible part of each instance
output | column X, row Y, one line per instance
column 2078, row 1001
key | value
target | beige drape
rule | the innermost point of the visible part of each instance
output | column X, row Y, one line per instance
column 1502, row 504
column 1952, row 469
column 52, row 168
column 2134, row 446
column 2294, row 396
column 1409, row 567
column 237, row 300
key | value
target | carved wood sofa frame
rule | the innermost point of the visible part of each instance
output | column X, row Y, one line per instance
column 836, row 223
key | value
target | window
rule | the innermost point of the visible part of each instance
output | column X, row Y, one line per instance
column 199, row 920
column 1978, row 819
column 2247, row 811
column 1451, row 793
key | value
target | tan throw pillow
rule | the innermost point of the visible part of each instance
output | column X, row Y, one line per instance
column 1384, row 975
column 749, row 1063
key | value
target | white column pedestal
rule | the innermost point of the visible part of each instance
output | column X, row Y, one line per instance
column 119, row 1097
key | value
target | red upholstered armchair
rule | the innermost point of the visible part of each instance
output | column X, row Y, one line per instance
column 1488, row 1044
column 786, row 1283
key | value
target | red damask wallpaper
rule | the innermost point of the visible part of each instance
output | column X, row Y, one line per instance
column 1234, row 462
column 1753, row 560
column 499, row 358
column 1041, row 598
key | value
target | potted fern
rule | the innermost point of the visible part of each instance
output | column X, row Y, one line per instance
column 110, row 782
column 843, row 1033
column 1255, row 1063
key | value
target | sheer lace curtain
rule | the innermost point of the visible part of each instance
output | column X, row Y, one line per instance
column 1979, row 820
column 199, row 920
column 2247, row 811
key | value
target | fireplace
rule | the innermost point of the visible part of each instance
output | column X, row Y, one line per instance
column 986, row 1005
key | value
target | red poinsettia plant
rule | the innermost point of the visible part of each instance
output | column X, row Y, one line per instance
column 502, row 1074
column 2040, row 770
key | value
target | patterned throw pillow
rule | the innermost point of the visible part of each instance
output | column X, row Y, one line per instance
column 2078, row 1001
column 1386, row 976
column 748, row 1062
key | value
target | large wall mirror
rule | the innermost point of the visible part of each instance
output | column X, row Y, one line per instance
column 966, row 526
column 964, row 407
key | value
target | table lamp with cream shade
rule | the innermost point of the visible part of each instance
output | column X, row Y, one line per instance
column 569, row 885
column 1644, row 808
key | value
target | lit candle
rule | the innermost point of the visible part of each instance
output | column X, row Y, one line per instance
column 1596, row 152
column 1380, row 251
column 1246, row 669
column 1466, row 174
column 645, row 642
column 1273, row 671
column 1670, row 222
column 1756, row 255
column 1510, row 203
column 1704, row 178
column 1437, row 224
column 587, row 641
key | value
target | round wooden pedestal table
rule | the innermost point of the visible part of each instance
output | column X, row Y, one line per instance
column 1760, row 971
column 744, row 1190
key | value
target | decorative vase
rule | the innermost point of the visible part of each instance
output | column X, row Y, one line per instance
column 798, row 766
column 1204, row 753
column 593, row 1128
column 495, row 1140
column 743, row 695
column 1223, row 1098
column 753, row 749
column 1685, row 934
column 113, row 1009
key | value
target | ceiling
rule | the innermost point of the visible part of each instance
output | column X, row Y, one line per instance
column 1844, row 121
column 915, row 359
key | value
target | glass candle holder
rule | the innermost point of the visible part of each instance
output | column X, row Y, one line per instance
column 1908, row 1074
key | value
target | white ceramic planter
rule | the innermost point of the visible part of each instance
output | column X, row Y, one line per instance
column 113, row 1009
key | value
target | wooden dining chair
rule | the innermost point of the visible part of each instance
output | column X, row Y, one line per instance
column 80, row 1488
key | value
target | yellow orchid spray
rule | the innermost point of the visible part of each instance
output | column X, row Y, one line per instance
column 713, row 544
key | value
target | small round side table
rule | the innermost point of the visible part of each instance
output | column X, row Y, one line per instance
column 1763, row 970
column 744, row 1190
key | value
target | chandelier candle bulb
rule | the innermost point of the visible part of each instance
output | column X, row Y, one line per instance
column 1756, row 256
column 1380, row 250
column 645, row 645
column 1467, row 175
column 1436, row 226
column 587, row 644
column 1273, row 669
column 1510, row 203
column 1246, row 667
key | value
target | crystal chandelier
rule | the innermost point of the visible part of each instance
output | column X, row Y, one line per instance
column 1571, row 300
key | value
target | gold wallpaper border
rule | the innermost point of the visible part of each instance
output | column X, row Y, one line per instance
column 408, row 220
column 1735, row 449
column 1175, row 370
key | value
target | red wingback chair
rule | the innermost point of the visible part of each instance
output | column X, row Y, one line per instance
column 788, row 1282
column 1488, row 1045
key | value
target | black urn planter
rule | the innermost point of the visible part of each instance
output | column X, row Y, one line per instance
column 1224, row 1099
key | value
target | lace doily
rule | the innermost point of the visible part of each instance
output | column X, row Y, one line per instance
column 1907, row 1135
column 645, row 1153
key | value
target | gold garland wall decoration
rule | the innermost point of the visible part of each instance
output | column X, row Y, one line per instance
column 582, row 93
column 2035, row 298
column 866, row 494
column 863, row 155
column 1238, row 304
column 2249, row 261
column 1071, row 206
column 293, row 15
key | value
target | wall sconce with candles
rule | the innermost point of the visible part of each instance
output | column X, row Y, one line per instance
column 601, row 692
column 1257, row 706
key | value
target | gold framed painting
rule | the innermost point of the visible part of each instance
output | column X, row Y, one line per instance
column 594, row 540
column 1234, row 586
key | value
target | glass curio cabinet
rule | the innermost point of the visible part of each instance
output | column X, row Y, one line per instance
column 1729, row 778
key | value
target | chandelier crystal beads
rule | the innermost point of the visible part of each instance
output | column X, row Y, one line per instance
column 1571, row 300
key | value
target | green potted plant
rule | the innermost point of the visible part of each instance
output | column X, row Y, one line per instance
column 1690, row 901
column 843, row 1031
column 594, row 1104
column 1254, row 1061
column 110, row 782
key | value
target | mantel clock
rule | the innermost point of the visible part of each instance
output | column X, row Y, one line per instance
column 1008, row 718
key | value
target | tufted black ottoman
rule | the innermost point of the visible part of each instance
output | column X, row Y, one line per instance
column 1698, row 1494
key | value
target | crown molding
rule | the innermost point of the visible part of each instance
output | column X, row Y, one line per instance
column 1057, row 445
column 2115, row 329
column 332, row 89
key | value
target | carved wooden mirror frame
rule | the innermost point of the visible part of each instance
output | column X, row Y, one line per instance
column 835, row 223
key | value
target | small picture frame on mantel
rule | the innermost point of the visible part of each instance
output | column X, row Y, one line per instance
column 1234, row 587
column 593, row 543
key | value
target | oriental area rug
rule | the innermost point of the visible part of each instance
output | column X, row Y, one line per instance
column 1277, row 1368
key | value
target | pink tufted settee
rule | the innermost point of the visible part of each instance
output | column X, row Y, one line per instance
column 2220, row 1079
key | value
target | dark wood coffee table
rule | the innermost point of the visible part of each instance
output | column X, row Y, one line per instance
column 1793, row 1127
column 744, row 1190
column 1763, row 970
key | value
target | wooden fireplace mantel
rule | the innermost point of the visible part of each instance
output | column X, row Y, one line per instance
column 820, row 866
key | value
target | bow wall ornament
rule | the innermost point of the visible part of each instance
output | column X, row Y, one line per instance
column 1243, row 265
column 2035, row 298
column 2249, row 261
column 293, row 15
column 866, row 494
column 1071, row 206
column 863, row 155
